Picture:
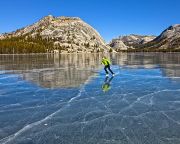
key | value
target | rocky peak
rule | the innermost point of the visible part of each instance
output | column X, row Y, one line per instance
column 128, row 41
column 63, row 18
column 118, row 45
column 167, row 41
column 170, row 32
column 136, row 39
column 70, row 34
column 49, row 17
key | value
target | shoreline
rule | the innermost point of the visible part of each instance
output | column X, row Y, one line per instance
column 91, row 53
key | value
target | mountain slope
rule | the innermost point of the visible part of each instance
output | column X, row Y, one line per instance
column 168, row 40
column 118, row 45
column 136, row 39
column 124, row 42
column 53, row 34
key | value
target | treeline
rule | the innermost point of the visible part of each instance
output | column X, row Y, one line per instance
column 26, row 44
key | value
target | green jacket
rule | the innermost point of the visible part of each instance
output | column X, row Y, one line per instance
column 106, row 61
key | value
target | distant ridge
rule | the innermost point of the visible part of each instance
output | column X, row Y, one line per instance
column 124, row 42
column 167, row 41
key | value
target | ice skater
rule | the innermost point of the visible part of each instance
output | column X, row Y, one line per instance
column 107, row 65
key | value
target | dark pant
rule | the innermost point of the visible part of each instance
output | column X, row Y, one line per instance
column 108, row 67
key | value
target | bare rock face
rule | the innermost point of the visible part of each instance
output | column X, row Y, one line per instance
column 171, row 32
column 125, row 42
column 118, row 45
column 70, row 33
column 1, row 36
column 136, row 39
column 168, row 40
column 147, row 39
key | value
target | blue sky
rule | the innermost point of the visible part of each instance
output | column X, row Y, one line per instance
column 110, row 18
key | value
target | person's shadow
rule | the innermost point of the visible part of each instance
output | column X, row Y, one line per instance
column 107, row 84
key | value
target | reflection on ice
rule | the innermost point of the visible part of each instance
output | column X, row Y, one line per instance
column 49, row 99
column 107, row 84
column 72, row 70
column 53, row 71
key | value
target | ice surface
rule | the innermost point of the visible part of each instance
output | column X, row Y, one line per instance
column 47, row 99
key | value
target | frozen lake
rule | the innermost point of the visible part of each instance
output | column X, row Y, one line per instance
column 66, row 99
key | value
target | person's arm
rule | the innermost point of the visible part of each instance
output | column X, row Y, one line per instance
column 102, row 62
column 108, row 61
